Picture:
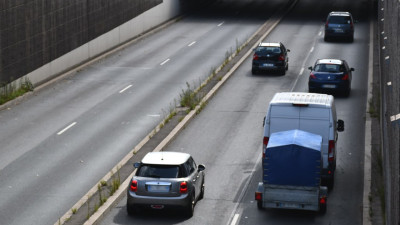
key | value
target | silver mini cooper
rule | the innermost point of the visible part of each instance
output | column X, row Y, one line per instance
column 166, row 180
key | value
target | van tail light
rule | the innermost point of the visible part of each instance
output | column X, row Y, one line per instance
column 258, row 196
column 345, row 77
column 265, row 143
column 312, row 76
column 281, row 58
column 331, row 151
column 183, row 188
column 322, row 200
column 255, row 57
column 134, row 185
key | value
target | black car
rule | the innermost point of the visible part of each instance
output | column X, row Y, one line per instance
column 330, row 75
column 270, row 57
column 339, row 25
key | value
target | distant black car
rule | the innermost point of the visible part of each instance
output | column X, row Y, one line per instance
column 339, row 25
column 270, row 57
column 330, row 75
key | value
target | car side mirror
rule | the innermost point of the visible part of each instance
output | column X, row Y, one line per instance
column 137, row 164
column 340, row 125
column 264, row 120
column 288, row 50
column 310, row 68
column 351, row 69
column 201, row 167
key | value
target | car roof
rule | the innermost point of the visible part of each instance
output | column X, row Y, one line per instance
column 339, row 13
column 270, row 44
column 330, row 61
column 165, row 158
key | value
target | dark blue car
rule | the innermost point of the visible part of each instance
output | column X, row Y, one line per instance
column 339, row 25
column 270, row 57
column 330, row 75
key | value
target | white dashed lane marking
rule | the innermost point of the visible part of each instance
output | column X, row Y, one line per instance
column 65, row 129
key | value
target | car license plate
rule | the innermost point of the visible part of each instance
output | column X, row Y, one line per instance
column 329, row 86
column 268, row 65
column 158, row 186
column 290, row 205
column 338, row 30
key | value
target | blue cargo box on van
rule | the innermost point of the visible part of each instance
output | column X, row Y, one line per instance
column 293, row 158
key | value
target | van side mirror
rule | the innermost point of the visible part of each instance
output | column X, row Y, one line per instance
column 137, row 164
column 340, row 125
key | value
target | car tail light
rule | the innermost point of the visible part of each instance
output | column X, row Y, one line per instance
column 255, row 57
column 134, row 185
column 331, row 151
column 345, row 77
column 183, row 188
column 326, row 24
column 351, row 25
column 312, row 76
column 265, row 143
column 281, row 58
column 258, row 196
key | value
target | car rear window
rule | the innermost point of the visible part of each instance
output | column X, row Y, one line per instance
column 159, row 171
column 268, row 50
column 340, row 19
column 327, row 68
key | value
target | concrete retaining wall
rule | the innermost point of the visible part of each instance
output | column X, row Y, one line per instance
column 389, row 36
column 70, row 32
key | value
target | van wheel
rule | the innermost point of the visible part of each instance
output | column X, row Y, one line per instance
column 259, row 204
column 330, row 182
column 322, row 209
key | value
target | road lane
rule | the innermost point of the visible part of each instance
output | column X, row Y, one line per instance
column 45, row 172
column 227, row 135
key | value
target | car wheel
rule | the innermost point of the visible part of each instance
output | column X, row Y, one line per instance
column 190, row 206
column 351, row 38
column 287, row 66
column 326, row 39
column 253, row 71
column 201, row 196
column 347, row 92
column 131, row 209
column 283, row 71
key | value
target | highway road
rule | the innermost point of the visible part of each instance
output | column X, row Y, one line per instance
column 59, row 142
column 227, row 135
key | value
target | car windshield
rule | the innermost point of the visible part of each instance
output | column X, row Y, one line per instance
column 332, row 68
column 268, row 50
column 158, row 171
column 340, row 19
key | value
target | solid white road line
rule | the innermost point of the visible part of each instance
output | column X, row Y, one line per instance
column 235, row 219
column 301, row 71
column 164, row 62
column 65, row 129
column 192, row 43
column 125, row 88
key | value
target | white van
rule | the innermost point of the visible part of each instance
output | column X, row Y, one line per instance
column 314, row 113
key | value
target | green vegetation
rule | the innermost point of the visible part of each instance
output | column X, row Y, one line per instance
column 11, row 91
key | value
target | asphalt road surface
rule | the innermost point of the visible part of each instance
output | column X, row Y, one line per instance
column 61, row 141
column 227, row 135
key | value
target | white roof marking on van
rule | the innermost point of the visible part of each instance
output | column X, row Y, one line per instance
column 302, row 98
